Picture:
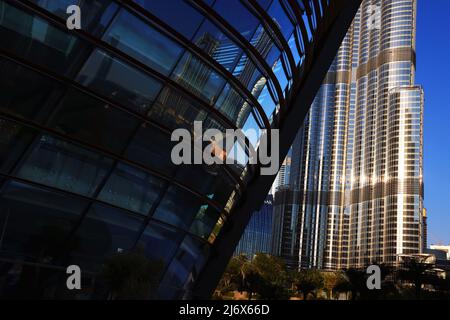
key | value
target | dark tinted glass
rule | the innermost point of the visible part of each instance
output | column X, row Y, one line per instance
column 197, row 77
column 14, row 139
column 26, row 93
column 184, row 269
column 96, row 14
column 65, row 166
column 34, row 39
column 174, row 111
column 104, row 231
column 179, row 207
column 152, row 147
column 91, row 120
column 118, row 81
column 238, row 16
column 138, row 39
column 160, row 242
column 176, row 13
column 37, row 222
column 132, row 189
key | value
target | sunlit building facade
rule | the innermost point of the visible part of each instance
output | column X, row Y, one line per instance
column 357, row 161
column 257, row 237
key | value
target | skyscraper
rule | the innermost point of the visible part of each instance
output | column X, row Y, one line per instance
column 282, row 177
column 357, row 161
column 257, row 236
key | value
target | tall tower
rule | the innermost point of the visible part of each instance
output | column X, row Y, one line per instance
column 357, row 161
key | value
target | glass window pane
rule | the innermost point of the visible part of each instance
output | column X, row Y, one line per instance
column 204, row 222
column 65, row 166
column 118, row 81
column 138, row 39
column 184, row 269
column 13, row 140
column 88, row 119
column 213, row 42
column 174, row 111
column 152, row 148
column 96, row 14
column 104, row 231
column 280, row 19
column 34, row 39
column 233, row 106
column 132, row 189
column 160, row 242
column 238, row 16
column 36, row 222
column 177, row 13
column 214, row 183
column 178, row 207
column 25, row 93
column 197, row 77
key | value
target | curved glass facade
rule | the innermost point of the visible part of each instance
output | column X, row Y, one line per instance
column 86, row 117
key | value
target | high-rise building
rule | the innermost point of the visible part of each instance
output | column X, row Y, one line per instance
column 282, row 177
column 257, row 236
column 357, row 161
column 424, row 230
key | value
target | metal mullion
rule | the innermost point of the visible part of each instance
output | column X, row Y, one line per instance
column 135, row 63
column 309, row 15
column 196, row 52
column 106, row 153
column 244, row 44
column 77, row 86
column 276, row 34
column 90, row 199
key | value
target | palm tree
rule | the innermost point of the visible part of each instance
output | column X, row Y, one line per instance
column 307, row 281
column 131, row 275
column 415, row 269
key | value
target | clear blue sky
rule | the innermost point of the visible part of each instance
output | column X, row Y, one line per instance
column 433, row 73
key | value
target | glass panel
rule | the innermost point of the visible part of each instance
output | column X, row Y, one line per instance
column 65, row 166
column 197, row 77
column 184, row 270
column 152, row 148
column 279, row 73
column 118, row 81
column 204, row 222
column 35, row 40
column 104, row 231
column 178, row 207
column 213, row 42
column 96, row 14
column 160, row 242
column 88, row 119
column 214, row 182
column 176, row 13
column 232, row 105
column 37, row 222
column 266, row 102
column 238, row 16
column 25, row 93
column 174, row 111
column 136, row 38
column 13, row 140
column 132, row 189
column 281, row 20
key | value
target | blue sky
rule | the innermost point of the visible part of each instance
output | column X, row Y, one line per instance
column 433, row 73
